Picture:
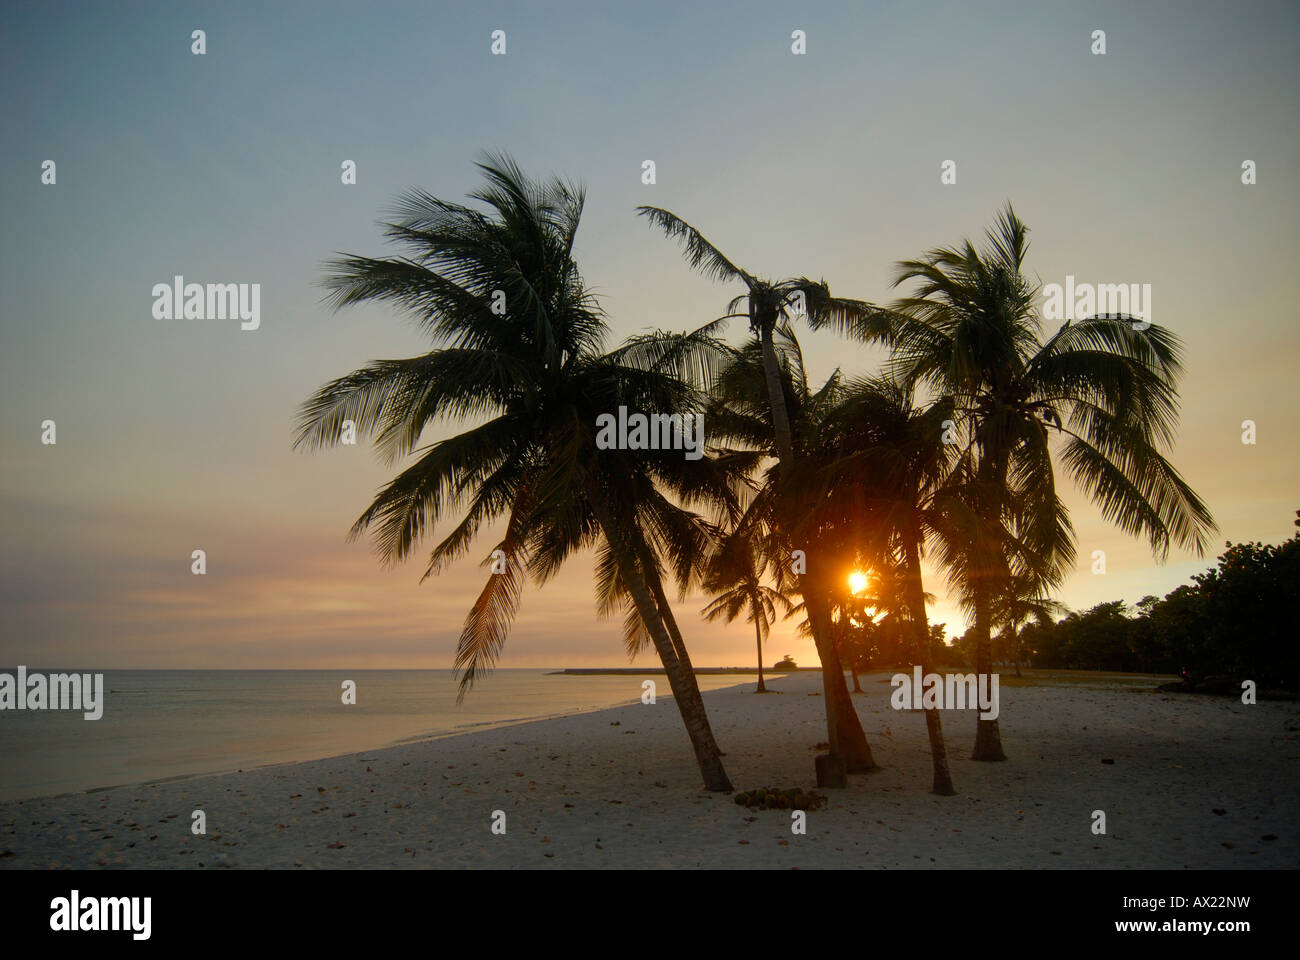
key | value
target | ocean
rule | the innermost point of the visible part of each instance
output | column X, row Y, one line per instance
column 163, row 724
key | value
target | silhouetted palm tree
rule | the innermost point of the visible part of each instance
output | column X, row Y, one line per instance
column 518, row 347
column 887, row 477
column 777, row 515
column 768, row 304
column 735, row 574
column 1104, row 387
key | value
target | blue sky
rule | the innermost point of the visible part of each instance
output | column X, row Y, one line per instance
column 175, row 435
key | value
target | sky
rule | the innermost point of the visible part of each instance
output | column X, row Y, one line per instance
column 175, row 435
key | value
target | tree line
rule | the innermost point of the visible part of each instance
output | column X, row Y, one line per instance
column 1236, row 621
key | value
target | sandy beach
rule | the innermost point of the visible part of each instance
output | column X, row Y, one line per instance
column 1197, row 782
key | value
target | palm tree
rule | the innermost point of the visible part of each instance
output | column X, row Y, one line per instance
column 890, row 481
column 1104, row 388
column 518, row 346
column 777, row 517
column 735, row 575
column 769, row 304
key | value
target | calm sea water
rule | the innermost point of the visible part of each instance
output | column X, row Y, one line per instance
column 174, row 723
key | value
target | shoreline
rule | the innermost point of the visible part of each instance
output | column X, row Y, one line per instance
column 1198, row 784
column 465, row 729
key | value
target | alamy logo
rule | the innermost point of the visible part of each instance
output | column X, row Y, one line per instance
column 954, row 691
column 658, row 431
column 58, row 691
column 1077, row 301
column 213, row 301
column 102, row 913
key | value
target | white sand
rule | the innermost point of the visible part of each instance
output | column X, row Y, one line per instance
column 619, row 788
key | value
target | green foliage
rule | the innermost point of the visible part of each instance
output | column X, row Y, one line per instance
column 1235, row 620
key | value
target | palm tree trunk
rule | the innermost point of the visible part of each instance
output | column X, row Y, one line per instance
column 988, row 738
column 686, row 693
column 846, row 658
column 661, row 599
column 758, row 638
column 853, row 739
column 776, row 397
column 828, row 696
column 843, row 728
column 942, row 784
column 679, row 645
column 842, row 715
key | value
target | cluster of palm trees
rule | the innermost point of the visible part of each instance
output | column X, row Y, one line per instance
column 949, row 453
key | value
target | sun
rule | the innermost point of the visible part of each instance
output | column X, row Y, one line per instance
column 857, row 581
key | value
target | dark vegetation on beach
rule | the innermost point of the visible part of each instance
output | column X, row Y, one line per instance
column 1237, row 621
column 769, row 798
column 948, row 453
column 1234, row 622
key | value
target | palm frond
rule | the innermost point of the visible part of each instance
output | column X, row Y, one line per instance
column 700, row 254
